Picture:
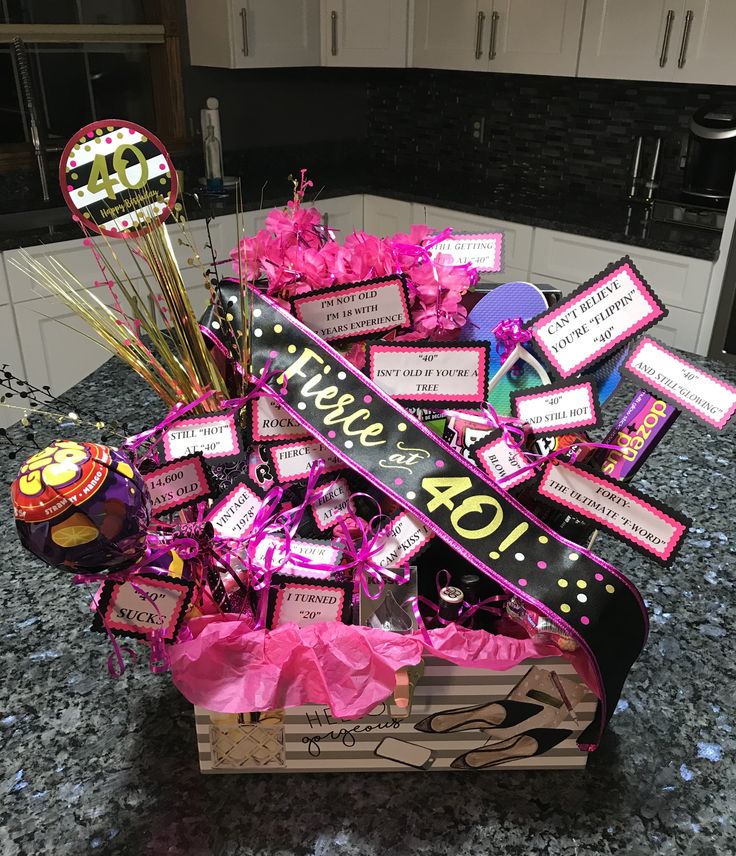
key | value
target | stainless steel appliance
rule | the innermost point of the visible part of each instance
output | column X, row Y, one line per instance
column 711, row 156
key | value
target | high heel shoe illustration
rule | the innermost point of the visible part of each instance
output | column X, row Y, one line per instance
column 496, row 714
column 531, row 743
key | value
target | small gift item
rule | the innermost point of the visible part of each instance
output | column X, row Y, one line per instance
column 81, row 506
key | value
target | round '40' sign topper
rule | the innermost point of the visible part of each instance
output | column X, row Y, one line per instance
column 117, row 178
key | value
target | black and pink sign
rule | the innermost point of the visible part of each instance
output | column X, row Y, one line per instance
column 598, row 318
column 178, row 484
column 426, row 373
column 355, row 311
column 686, row 386
column 630, row 516
column 557, row 408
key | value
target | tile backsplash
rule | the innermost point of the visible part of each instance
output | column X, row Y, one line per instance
column 554, row 133
column 409, row 127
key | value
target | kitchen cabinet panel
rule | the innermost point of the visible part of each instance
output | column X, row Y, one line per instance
column 356, row 33
column 10, row 354
column 54, row 349
column 254, row 33
column 384, row 217
column 451, row 34
column 517, row 237
column 535, row 36
column 677, row 280
column 344, row 214
column 630, row 39
column 679, row 329
column 705, row 43
column 78, row 259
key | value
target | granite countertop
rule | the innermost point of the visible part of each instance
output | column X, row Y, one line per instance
column 94, row 765
column 605, row 217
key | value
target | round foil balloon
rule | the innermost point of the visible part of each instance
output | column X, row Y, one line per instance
column 81, row 506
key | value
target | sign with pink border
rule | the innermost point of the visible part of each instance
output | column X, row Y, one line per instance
column 625, row 513
column 684, row 385
column 335, row 503
column 425, row 373
column 233, row 515
column 558, row 408
column 304, row 602
column 483, row 251
column 269, row 421
column 178, row 484
column 355, row 311
column 502, row 462
column 598, row 318
column 400, row 540
column 215, row 436
column 293, row 461
column 144, row 604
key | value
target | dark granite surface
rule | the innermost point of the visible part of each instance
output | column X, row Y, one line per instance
column 605, row 217
column 93, row 765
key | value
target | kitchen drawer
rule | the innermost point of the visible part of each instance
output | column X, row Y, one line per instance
column 192, row 238
column 679, row 329
column 383, row 216
column 508, row 274
column 78, row 259
column 677, row 280
column 344, row 214
column 11, row 355
column 54, row 352
column 563, row 285
column 517, row 238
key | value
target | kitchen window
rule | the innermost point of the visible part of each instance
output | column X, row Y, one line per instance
column 85, row 60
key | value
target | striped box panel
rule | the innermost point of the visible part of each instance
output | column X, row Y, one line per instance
column 310, row 739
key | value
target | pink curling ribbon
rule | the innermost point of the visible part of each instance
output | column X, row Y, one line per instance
column 509, row 334
column 515, row 432
column 467, row 611
column 362, row 540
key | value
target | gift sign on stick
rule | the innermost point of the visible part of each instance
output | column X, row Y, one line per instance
column 117, row 178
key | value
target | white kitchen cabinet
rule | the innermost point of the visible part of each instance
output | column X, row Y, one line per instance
column 344, row 214
column 681, row 283
column 705, row 43
column 58, row 348
column 451, row 34
column 535, row 36
column 683, row 41
column 679, row 329
column 10, row 354
column 517, row 238
column 254, row 33
column 518, row 36
column 677, row 280
column 630, row 39
column 384, row 217
column 359, row 33
column 73, row 255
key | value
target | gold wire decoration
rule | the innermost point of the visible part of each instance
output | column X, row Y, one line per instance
column 177, row 363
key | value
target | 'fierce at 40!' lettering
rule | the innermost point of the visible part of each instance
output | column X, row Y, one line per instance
column 360, row 424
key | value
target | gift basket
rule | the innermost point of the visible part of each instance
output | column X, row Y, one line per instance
column 360, row 538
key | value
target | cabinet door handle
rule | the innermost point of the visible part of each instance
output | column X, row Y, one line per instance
column 666, row 40
column 333, row 20
column 494, row 29
column 479, row 35
column 685, row 38
column 244, row 21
